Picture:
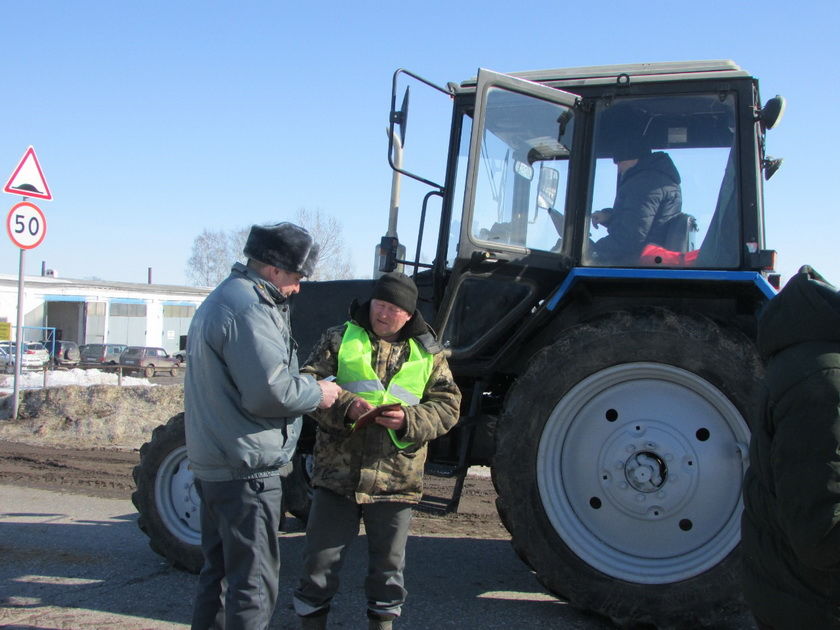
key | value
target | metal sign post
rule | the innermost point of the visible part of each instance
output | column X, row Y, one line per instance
column 18, row 337
column 26, row 225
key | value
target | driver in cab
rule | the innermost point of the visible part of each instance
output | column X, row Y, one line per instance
column 648, row 195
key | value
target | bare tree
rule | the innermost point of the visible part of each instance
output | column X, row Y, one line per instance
column 334, row 260
column 206, row 264
column 236, row 243
column 214, row 252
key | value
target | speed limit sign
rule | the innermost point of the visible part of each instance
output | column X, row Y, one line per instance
column 26, row 225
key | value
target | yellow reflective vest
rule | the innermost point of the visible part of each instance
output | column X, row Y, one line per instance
column 356, row 373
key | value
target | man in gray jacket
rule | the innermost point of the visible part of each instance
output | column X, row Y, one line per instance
column 244, row 398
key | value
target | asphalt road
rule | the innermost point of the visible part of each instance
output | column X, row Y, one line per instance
column 73, row 561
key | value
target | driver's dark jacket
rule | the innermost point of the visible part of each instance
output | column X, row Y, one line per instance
column 243, row 394
column 791, row 520
column 647, row 197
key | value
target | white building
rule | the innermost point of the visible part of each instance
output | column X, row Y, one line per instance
column 88, row 311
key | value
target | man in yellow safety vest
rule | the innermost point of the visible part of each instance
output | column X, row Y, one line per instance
column 398, row 394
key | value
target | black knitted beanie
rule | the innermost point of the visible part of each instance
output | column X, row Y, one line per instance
column 398, row 289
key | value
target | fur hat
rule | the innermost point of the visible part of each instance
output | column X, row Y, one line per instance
column 284, row 245
column 398, row 289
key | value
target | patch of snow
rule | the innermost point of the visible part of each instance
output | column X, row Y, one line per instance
column 479, row 471
column 60, row 378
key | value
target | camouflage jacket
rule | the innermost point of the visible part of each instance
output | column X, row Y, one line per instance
column 365, row 465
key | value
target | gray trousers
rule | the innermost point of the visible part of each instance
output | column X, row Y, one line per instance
column 332, row 527
column 237, row 587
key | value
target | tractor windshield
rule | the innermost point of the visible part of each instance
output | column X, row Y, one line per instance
column 661, row 186
column 664, row 191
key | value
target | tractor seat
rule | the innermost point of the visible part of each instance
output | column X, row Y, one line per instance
column 677, row 246
column 678, row 233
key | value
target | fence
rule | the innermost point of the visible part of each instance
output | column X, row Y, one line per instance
column 120, row 370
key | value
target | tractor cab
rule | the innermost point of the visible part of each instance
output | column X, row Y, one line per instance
column 642, row 171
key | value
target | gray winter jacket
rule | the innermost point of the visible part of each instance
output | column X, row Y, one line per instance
column 243, row 393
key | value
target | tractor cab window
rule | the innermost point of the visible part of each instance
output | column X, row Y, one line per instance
column 664, row 190
column 522, row 171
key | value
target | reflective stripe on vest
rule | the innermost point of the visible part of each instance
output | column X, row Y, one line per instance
column 356, row 373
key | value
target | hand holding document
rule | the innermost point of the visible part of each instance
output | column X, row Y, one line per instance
column 369, row 416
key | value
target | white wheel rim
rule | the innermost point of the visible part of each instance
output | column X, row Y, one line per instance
column 639, row 470
column 176, row 498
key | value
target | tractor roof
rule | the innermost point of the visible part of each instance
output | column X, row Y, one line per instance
column 635, row 72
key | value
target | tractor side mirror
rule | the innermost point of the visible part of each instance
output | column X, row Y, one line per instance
column 547, row 187
column 400, row 118
column 387, row 254
column 772, row 112
column 770, row 165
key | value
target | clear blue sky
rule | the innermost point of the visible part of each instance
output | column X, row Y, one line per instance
column 155, row 120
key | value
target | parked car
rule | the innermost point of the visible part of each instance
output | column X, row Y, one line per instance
column 101, row 353
column 37, row 349
column 34, row 355
column 149, row 361
column 63, row 353
column 7, row 357
column 181, row 355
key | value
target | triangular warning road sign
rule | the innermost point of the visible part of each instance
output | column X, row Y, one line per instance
column 28, row 178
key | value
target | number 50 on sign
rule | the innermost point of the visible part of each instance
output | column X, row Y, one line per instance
column 26, row 225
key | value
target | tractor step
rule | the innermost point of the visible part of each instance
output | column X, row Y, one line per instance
column 434, row 505
column 442, row 470
column 444, row 505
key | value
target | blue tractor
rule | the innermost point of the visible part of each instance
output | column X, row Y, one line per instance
column 610, row 378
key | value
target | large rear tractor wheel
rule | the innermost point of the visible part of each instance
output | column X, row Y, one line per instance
column 166, row 497
column 618, row 466
column 169, row 506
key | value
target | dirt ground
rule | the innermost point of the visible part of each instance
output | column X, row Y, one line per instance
column 87, row 440
column 106, row 472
